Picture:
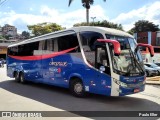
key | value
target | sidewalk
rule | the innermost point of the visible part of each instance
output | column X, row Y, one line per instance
column 153, row 80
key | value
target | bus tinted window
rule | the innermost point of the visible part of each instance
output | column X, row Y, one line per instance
column 67, row 42
column 89, row 39
column 13, row 50
column 24, row 50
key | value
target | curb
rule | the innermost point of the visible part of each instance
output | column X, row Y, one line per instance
column 153, row 80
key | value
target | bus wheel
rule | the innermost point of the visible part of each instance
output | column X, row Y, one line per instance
column 16, row 77
column 21, row 77
column 77, row 88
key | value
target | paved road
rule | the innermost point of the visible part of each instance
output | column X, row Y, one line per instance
column 37, row 97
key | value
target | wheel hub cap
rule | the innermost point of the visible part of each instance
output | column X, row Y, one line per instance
column 78, row 88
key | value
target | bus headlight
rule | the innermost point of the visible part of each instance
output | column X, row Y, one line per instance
column 120, row 83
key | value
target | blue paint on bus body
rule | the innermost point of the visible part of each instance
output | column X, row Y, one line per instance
column 60, row 69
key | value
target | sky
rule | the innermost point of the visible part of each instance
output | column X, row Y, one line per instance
column 21, row 13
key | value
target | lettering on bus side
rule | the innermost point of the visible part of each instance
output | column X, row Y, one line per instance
column 61, row 64
column 55, row 70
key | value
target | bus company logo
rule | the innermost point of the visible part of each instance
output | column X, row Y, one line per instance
column 56, row 70
column 60, row 64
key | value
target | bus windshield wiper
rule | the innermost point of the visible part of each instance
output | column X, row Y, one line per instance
column 136, row 62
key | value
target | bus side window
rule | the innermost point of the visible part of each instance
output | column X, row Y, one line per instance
column 27, row 49
column 102, row 59
column 88, row 40
column 13, row 51
column 47, row 46
column 68, row 42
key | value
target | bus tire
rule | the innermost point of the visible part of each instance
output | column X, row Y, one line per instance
column 16, row 76
column 77, row 88
column 21, row 78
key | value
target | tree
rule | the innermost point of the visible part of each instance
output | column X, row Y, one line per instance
column 131, row 31
column 44, row 28
column 86, row 4
column 26, row 35
column 7, row 36
column 104, row 23
column 144, row 26
column 1, row 37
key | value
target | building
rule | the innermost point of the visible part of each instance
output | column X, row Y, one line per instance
column 152, row 38
column 158, row 38
column 0, row 31
column 3, row 47
column 9, row 30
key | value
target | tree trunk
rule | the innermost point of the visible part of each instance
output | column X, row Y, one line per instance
column 87, row 16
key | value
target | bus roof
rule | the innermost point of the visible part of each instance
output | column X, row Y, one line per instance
column 104, row 30
column 72, row 30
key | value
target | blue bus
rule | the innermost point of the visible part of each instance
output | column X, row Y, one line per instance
column 84, row 59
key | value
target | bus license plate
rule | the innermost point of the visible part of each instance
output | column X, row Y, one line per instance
column 136, row 90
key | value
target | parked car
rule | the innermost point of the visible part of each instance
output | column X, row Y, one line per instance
column 1, row 63
column 157, row 63
column 150, row 71
column 153, row 65
column 3, row 60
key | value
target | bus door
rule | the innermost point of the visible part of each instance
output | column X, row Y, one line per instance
column 101, row 77
column 102, row 64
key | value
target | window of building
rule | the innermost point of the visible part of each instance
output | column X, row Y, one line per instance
column 158, row 40
column 157, row 50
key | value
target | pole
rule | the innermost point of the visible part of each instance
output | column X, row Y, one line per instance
column 93, row 19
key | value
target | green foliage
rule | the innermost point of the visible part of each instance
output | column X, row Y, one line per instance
column 44, row 28
column 26, row 34
column 131, row 31
column 101, row 24
column 1, row 37
column 86, row 4
column 144, row 26
column 7, row 36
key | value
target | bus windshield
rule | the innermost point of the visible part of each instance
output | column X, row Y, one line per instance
column 129, row 62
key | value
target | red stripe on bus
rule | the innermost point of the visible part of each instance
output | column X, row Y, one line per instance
column 39, row 57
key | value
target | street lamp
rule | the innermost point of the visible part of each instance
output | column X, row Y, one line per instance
column 93, row 18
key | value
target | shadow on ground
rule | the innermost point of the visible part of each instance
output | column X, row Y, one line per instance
column 62, row 99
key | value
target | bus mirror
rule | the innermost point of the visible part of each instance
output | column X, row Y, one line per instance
column 116, row 45
column 150, row 47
